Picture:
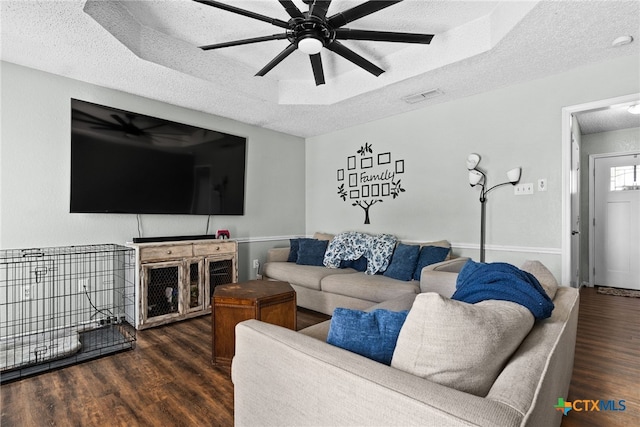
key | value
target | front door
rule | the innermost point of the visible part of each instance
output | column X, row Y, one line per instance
column 616, row 225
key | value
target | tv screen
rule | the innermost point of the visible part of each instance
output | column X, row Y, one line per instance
column 124, row 162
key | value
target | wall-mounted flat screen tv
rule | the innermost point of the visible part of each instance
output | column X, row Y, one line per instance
column 124, row 162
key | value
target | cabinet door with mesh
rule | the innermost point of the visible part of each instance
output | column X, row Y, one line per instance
column 219, row 272
column 161, row 291
column 195, row 289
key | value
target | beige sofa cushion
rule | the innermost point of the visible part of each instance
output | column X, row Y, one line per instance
column 459, row 345
column 376, row 288
column 308, row 276
column 544, row 276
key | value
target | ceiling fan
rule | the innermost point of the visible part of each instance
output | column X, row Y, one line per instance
column 312, row 30
column 130, row 125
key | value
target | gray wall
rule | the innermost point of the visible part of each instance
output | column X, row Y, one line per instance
column 518, row 125
column 292, row 185
column 35, row 172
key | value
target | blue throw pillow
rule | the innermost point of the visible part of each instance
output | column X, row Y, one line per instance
column 403, row 262
column 311, row 252
column 359, row 264
column 370, row 334
column 429, row 255
column 294, row 244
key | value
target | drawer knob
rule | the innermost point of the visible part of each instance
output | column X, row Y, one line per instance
column 169, row 252
column 217, row 248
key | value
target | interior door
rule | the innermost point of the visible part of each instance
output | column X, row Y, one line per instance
column 616, row 225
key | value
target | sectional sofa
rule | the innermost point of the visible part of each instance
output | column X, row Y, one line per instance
column 288, row 378
column 324, row 289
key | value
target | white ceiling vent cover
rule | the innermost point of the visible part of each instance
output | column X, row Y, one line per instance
column 419, row 97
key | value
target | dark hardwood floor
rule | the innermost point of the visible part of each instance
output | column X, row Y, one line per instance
column 607, row 360
column 168, row 379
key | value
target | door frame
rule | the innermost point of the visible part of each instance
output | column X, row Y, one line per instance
column 592, row 207
column 567, row 112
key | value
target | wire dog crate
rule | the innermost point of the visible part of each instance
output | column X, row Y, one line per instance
column 64, row 305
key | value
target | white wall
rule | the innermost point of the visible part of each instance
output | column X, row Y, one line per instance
column 35, row 171
column 518, row 125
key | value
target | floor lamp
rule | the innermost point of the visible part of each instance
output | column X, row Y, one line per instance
column 477, row 177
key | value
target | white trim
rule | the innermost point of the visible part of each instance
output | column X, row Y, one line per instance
column 502, row 248
column 566, row 172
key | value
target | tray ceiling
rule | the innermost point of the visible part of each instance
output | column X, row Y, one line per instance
column 150, row 48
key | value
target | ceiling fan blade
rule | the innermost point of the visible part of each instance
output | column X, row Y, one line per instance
column 91, row 116
column 243, row 12
column 382, row 36
column 153, row 127
column 278, row 59
column 350, row 55
column 291, row 9
column 119, row 119
column 357, row 12
column 316, row 65
column 319, row 8
column 109, row 128
column 280, row 36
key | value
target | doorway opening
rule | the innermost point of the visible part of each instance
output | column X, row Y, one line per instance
column 577, row 127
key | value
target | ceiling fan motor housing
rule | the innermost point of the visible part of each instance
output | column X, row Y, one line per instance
column 310, row 27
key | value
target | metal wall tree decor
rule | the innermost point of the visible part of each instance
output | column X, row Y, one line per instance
column 370, row 178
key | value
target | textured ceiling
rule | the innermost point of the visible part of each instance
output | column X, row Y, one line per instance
column 149, row 48
column 616, row 117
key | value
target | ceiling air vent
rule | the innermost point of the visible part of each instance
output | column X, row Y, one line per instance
column 419, row 97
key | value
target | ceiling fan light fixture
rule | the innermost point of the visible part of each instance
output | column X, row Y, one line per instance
column 621, row 41
column 310, row 45
column 634, row 109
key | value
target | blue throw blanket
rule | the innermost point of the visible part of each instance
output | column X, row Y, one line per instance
column 500, row 281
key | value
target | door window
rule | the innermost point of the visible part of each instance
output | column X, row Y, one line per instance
column 624, row 178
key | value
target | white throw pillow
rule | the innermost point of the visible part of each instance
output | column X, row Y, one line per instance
column 460, row 345
column 544, row 276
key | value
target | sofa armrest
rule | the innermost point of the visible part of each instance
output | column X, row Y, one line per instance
column 453, row 265
column 441, row 277
column 285, row 378
column 278, row 254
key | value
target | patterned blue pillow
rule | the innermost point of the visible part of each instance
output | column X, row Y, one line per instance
column 403, row 262
column 370, row 334
column 311, row 252
column 429, row 255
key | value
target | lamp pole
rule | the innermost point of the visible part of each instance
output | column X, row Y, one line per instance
column 483, row 209
column 477, row 177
